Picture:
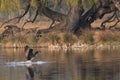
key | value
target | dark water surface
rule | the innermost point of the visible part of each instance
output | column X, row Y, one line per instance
column 95, row 64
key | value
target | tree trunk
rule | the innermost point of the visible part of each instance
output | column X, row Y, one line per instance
column 73, row 18
column 76, row 21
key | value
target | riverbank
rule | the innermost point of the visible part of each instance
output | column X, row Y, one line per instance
column 63, row 40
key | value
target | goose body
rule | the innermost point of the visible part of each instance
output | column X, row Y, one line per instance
column 29, row 53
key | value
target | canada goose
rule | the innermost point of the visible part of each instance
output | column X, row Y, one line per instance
column 29, row 53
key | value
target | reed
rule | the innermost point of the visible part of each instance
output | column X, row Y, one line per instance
column 90, row 37
column 107, row 37
column 87, row 36
column 59, row 38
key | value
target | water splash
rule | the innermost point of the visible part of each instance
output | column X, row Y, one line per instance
column 24, row 63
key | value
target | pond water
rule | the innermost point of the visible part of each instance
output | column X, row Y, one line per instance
column 94, row 64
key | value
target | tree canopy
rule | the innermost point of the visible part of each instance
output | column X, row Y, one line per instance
column 80, row 13
column 8, row 5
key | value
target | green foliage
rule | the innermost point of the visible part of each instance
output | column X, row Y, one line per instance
column 12, row 38
column 79, row 2
column 31, row 39
column 35, row 39
column 42, row 3
column 33, row 2
column 2, row 41
column 72, row 2
column 8, row 5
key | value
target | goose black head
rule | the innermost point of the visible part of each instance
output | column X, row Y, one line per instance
column 26, row 48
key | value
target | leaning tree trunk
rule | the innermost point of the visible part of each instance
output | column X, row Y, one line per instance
column 76, row 21
column 73, row 18
column 85, row 20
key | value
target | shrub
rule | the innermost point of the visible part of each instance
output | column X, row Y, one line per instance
column 108, row 36
column 69, row 38
column 59, row 38
column 87, row 36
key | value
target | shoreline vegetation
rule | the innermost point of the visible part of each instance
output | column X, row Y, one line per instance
column 62, row 40
column 22, row 24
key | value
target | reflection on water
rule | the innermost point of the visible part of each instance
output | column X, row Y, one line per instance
column 30, row 73
column 94, row 64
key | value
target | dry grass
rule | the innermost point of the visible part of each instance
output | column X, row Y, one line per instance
column 87, row 36
column 100, row 37
column 107, row 37
column 59, row 38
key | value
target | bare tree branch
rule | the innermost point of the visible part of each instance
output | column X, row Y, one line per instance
column 18, row 17
column 118, row 20
column 114, row 25
column 32, row 21
column 103, row 23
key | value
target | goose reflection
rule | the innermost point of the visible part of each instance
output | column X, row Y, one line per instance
column 30, row 72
